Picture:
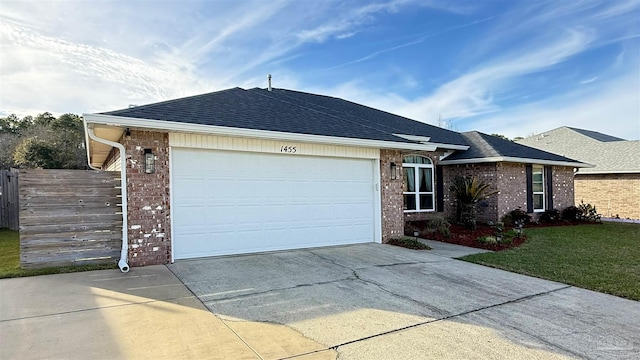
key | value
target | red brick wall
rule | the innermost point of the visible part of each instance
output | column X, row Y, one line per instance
column 612, row 194
column 487, row 210
column 148, row 199
column 391, row 195
column 510, row 179
column 512, row 183
column 563, row 187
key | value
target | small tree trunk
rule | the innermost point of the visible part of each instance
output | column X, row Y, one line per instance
column 468, row 215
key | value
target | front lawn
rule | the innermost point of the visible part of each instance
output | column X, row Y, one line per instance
column 10, row 260
column 601, row 257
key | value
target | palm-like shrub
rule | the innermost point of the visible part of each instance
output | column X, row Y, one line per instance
column 468, row 191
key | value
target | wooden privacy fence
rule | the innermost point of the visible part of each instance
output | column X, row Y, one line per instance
column 9, row 206
column 69, row 217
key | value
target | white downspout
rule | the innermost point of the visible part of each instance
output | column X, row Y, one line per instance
column 122, row 264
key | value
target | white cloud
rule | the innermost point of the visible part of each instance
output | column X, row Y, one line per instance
column 611, row 108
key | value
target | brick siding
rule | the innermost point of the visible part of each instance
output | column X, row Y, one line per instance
column 148, row 199
column 391, row 195
column 563, row 187
column 510, row 179
column 489, row 173
column 611, row 194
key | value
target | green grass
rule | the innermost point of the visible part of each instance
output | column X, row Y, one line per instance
column 10, row 260
column 604, row 258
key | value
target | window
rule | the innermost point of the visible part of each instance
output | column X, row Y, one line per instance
column 418, row 184
column 538, row 187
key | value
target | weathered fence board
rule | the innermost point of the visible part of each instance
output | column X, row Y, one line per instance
column 9, row 206
column 69, row 217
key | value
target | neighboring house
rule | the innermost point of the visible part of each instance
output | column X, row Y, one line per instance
column 613, row 183
column 239, row 171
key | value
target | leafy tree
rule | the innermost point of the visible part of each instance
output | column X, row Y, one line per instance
column 500, row 136
column 42, row 142
column 35, row 153
column 517, row 138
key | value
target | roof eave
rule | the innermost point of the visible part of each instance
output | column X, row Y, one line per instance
column 603, row 172
column 173, row 126
column 515, row 160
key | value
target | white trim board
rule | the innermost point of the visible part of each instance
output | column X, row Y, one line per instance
column 292, row 148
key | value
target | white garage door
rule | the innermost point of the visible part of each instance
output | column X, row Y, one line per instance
column 227, row 202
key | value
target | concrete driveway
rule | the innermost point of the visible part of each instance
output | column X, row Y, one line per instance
column 145, row 314
column 379, row 301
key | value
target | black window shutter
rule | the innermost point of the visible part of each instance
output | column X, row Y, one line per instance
column 548, row 172
column 528, row 169
column 439, row 189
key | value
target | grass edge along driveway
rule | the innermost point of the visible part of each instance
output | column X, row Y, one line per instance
column 601, row 257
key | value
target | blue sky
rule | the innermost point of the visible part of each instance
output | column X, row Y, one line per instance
column 514, row 67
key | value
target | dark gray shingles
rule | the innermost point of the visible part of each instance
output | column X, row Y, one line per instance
column 486, row 146
column 291, row 112
column 596, row 135
column 362, row 115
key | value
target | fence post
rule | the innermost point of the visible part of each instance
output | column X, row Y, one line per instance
column 9, row 199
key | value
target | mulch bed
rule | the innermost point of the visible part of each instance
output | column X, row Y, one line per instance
column 463, row 236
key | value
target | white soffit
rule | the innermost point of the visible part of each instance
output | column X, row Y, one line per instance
column 99, row 152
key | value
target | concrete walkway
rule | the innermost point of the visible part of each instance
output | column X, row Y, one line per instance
column 451, row 250
column 145, row 314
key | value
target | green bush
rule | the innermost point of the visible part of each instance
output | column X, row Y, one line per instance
column 505, row 240
column 588, row 212
column 571, row 213
column 519, row 215
column 441, row 225
column 489, row 240
column 550, row 216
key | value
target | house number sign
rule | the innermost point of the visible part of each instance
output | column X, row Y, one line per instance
column 288, row 149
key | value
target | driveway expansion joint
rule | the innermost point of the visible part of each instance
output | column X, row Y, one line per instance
column 524, row 298
column 98, row 308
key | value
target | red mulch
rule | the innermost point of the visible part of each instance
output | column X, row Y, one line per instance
column 463, row 236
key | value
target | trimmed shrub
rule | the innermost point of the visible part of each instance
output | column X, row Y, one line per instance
column 519, row 215
column 550, row 216
column 571, row 213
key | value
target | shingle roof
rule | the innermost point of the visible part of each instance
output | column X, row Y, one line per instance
column 608, row 155
column 484, row 146
column 596, row 135
column 292, row 112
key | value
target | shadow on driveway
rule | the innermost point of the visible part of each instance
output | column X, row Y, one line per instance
column 375, row 300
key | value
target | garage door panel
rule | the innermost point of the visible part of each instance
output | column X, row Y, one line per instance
column 237, row 202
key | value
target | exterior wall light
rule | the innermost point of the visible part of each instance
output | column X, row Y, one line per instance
column 149, row 162
column 394, row 171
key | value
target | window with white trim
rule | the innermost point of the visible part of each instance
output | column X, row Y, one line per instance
column 418, row 184
column 538, row 187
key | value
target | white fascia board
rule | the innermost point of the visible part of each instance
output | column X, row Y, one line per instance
column 515, row 160
column 171, row 126
column 603, row 172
